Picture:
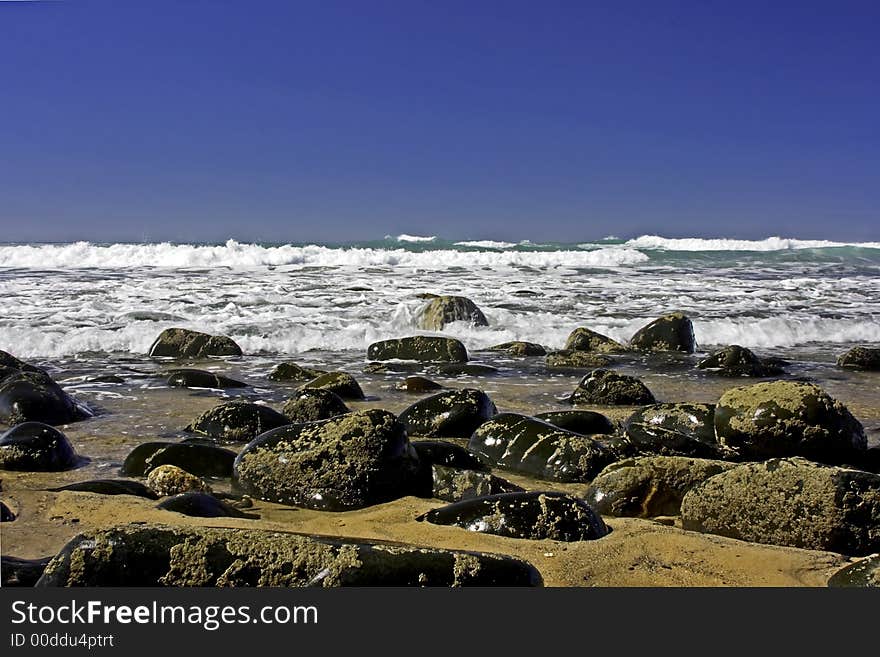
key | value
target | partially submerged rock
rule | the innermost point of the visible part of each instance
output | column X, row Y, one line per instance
column 463, row 369
column 10, row 362
column 606, row 388
column 294, row 372
column 419, row 347
column 200, row 505
column 586, row 423
column 418, row 384
column 34, row 397
column 861, row 358
column 171, row 480
column 312, row 404
column 441, row 310
column 672, row 332
column 583, row 339
column 518, row 348
column 674, row 430
column 236, row 421
column 455, row 485
column 201, row 460
column 183, row 343
column 36, row 447
column 455, row 413
column 109, row 487
column 341, row 383
column 189, row 378
column 568, row 359
column 736, row 361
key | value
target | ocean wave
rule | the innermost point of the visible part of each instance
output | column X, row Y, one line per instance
column 412, row 238
column 652, row 242
column 487, row 244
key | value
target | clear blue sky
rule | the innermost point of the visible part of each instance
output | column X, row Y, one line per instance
column 291, row 121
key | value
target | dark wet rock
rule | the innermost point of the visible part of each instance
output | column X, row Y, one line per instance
column 342, row 383
column 861, row 358
column 649, row 486
column 607, row 388
column 109, row 487
column 524, row 444
column 200, row 505
column 463, row 369
column 236, row 421
column 455, row 485
column 347, row 462
column 419, row 347
column 533, row 516
column 201, row 460
column 517, row 348
column 105, row 378
column 8, row 361
column 294, row 372
column 201, row 379
column 393, row 367
column 442, row 310
column 586, row 423
column 735, row 361
column 868, row 460
column 21, row 572
column 672, row 332
column 309, row 405
column 35, row 397
column 582, row 360
column 787, row 418
column 183, row 343
column 674, row 430
column 792, row 502
column 583, row 339
column 454, row 414
column 170, row 480
column 36, row 447
column 418, row 384
column 6, row 514
column 864, row 573
column 618, row 446
column 450, row 455
column 203, row 556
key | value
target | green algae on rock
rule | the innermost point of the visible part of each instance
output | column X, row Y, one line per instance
column 36, row 447
column 203, row 556
column 519, row 348
column 441, row 310
column 312, row 404
column 341, row 383
column 236, row 421
column 347, row 462
column 583, row 339
column 201, row 460
column 184, row 343
column 606, row 388
column 674, row 430
column 454, row 414
column 861, row 358
column 455, row 485
column 735, row 361
column 27, row 396
column 190, row 378
column 419, row 347
column 172, row 480
column 294, row 372
column 672, row 332
column 569, row 359
column 525, row 515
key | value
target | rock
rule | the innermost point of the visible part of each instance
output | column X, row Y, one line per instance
column 524, row 444
column 418, row 384
column 586, row 423
column 454, row 414
column 463, row 369
column 6, row 515
column 864, row 573
column 576, row 360
column 201, row 379
column 347, row 462
column 36, row 447
column 450, row 455
column 201, row 460
column 674, row 430
column 861, row 358
column 21, row 572
column 393, row 367
column 583, row 339
column 10, row 362
column 533, row 516
column 419, row 347
column 672, row 332
column 294, row 372
column 105, row 378
column 342, row 383
column 35, row 397
column 157, row 555
column 607, row 388
column 517, row 348
column 649, row 486
column 200, row 505
column 442, row 310
column 309, row 405
column 183, row 343
column 166, row 480
column 454, row 485
column 787, row 418
column 109, row 487
column 734, row 361
column 236, row 421
column 792, row 502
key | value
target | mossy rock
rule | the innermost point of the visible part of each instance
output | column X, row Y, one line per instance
column 586, row 423
column 792, row 502
column 419, row 347
column 171, row 480
column 452, row 414
column 455, row 485
column 736, row 361
column 865, row 573
column 787, row 418
column 527, row 445
column 110, row 487
column 347, row 462
column 294, row 372
column 189, row 378
column 861, row 358
column 674, row 430
column 310, row 405
column 441, row 310
column 183, row 343
column 583, row 339
column 35, row 397
column 581, row 360
column 532, row 516
column 198, row 504
column 201, row 460
column 36, row 447
column 518, row 348
column 418, row 384
column 236, row 422
column 159, row 555
column 672, row 332
column 649, row 486
column 341, row 383
column 606, row 388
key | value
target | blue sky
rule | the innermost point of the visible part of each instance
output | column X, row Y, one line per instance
column 298, row 121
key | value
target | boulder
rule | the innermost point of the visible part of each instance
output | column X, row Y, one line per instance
column 309, row 405
column 341, row 383
column 735, row 361
column 442, row 310
column 21, row 572
column 672, row 332
column 200, row 505
column 583, row 339
column 36, row 447
column 236, row 421
column 183, row 343
column 450, row 455
column 861, row 358
column 517, row 348
column 294, row 372
column 792, row 502
column 201, row 460
column 586, row 423
column 864, row 573
column 35, row 397
column 649, row 486
column 6, row 514
column 347, row 462
column 455, row 485
column 418, row 384
column 186, row 378
column 454, row 414
column 607, row 388
column 583, row 360
column 674, row 430
column 109, row 487
column 10, row 362
column 787, row 418
column 170, row 480
column 419, row 347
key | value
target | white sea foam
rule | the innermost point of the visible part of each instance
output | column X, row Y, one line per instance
column 487, row 244
column 413, row 238
column 769, row 244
